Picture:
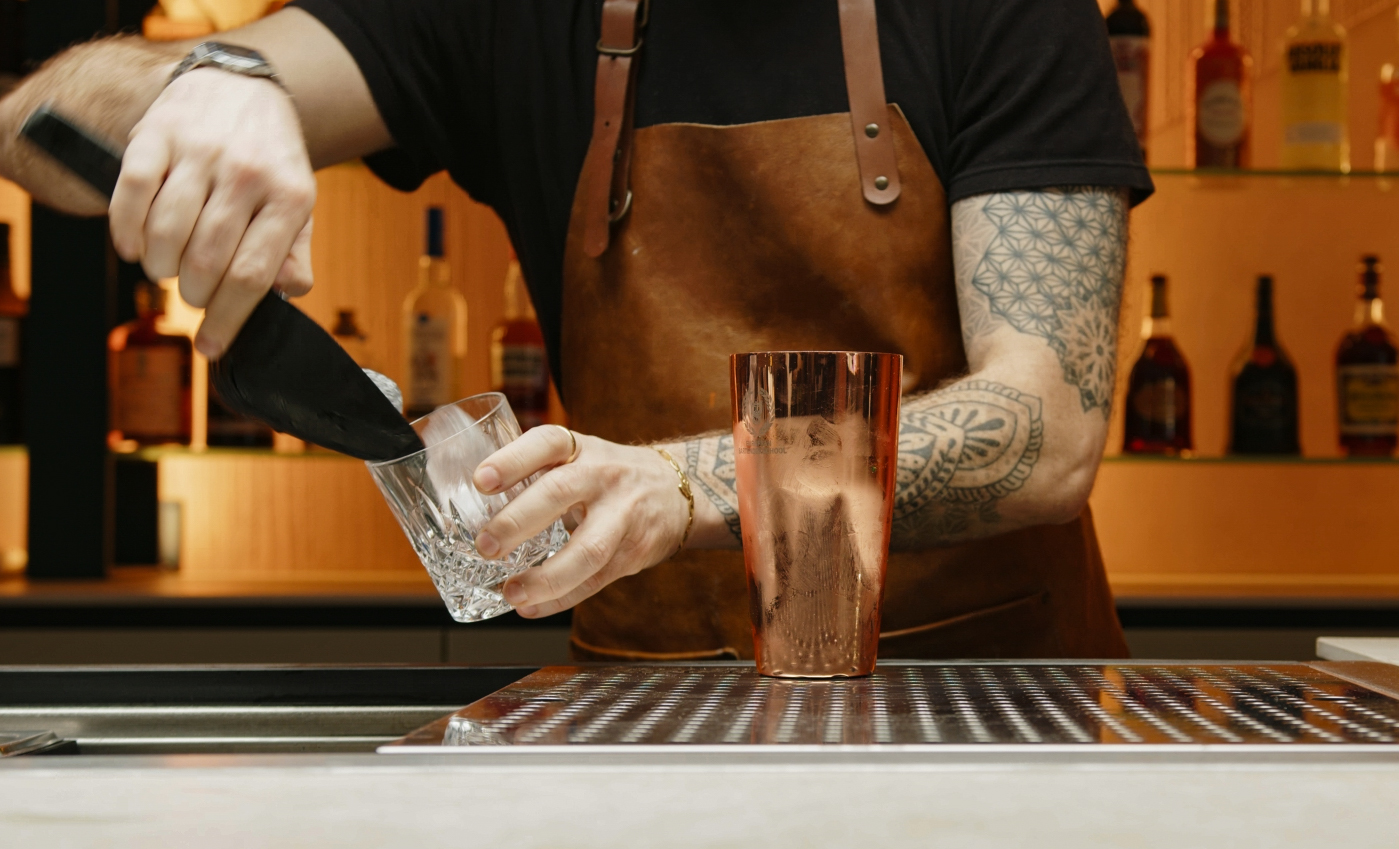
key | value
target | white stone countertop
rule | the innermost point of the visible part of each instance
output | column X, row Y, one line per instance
column 1383, row 649
column 355, row 801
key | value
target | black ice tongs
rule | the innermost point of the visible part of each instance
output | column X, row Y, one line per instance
column 283, row 368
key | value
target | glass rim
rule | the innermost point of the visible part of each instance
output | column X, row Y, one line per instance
column 500, row 400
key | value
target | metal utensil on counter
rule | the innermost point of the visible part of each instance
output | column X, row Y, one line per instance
column 283, row 369
column 816, row 449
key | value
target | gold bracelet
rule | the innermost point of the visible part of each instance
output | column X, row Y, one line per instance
column 685, row 491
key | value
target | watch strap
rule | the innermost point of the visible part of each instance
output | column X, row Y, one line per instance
column 227, row 57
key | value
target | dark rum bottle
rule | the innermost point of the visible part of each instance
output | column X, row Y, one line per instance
column 1367, row 375
column 1219, row 99
column 150, row 373
column 1129, row 33
column 12, row 312
column 1263, row 418
column 1158, row 392
column 519, row 363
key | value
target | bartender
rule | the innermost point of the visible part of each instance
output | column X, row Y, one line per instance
column 683, row 180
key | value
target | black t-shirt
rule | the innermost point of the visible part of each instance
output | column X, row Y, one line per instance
column 1002, row 94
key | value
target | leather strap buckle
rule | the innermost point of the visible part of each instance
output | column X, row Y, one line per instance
column 607, row 195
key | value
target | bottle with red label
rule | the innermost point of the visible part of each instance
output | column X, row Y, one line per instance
column 149, row 373
column 519, row 360
column 1367, row 375
column 1129, row 33
column 1219, row 99
column 1158, row 392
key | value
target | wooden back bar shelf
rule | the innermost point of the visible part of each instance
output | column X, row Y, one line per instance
column 1210, row 529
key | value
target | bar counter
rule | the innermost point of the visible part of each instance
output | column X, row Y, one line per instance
column 813, row 797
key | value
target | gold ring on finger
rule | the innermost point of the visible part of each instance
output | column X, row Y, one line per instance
column 572, row 445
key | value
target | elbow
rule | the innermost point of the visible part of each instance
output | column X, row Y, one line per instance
column 1068, row 487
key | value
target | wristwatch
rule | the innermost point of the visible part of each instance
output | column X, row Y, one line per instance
column 227, row 57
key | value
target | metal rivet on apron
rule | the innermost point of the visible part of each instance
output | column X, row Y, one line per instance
column 881, row 183
column 871, row 130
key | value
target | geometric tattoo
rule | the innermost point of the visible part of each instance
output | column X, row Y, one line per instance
column 709, row 461
column 1050, row 265
column 961, row 449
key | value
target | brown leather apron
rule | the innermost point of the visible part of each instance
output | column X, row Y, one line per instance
column 784, row 235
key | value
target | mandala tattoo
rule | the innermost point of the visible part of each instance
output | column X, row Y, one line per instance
column 709, row 461
column 1052, row 267
column 961, row 449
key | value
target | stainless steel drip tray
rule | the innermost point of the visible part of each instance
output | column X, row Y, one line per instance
column 1057, row 709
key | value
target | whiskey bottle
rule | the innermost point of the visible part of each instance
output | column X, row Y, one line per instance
column 1367, row 375
column 519, row 363
column 12, row 312
column 1263, row 418
column 1129, row 33
column 1315, row 129
column 434, row 330
column 1219, row 99
column 1158, row 392
column 150, row 373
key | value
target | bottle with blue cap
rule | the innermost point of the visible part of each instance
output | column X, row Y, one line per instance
column 434, row 330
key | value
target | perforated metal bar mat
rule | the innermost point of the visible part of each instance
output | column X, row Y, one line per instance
column 926, row 704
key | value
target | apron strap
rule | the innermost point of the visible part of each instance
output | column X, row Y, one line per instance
column 607, row 168
column 869, row 111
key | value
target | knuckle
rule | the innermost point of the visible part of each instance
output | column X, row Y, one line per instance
column 299, row 194
column 200, row 264
column 596, row 553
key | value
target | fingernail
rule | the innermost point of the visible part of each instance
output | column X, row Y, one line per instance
column 487, row 479
column 488, row 545
column 207, row 347
column 515, row 593
column 528, row 612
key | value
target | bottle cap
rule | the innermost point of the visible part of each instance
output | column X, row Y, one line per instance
column 434, row 232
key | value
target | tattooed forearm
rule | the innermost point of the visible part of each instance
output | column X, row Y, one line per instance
column 709, row 461
column 961, row 450
column 1048, row 263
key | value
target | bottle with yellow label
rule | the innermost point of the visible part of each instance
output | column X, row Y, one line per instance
column 1367, row 375
column 1315, row 133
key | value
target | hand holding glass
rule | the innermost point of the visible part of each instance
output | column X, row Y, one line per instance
column 440, row 510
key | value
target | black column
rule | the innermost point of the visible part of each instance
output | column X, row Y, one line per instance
column 70, row 313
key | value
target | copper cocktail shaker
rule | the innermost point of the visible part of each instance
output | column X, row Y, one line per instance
column 816, row 448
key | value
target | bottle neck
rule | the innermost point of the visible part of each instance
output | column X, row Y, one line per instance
column 434, row 272
column 1263, row 334
column 1370, row 311
column 1221, row 18
column 1159, row 324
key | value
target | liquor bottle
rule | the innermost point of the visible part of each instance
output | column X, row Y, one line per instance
column 1264, row 415
column 1367, row 375
column 1387, row 139
column 434, row 318
column 227, row 429
column 1315, row 128
column 346, row 331
column 150, row 374
column 519, row 363
column 1158, row 392
column 12, row 312
column 1219, row 105
column 1129, row 33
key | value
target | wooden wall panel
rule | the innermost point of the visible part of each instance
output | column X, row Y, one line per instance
column 14, row 499
column 1236, row 529
column 267, row 517
column 14, row 210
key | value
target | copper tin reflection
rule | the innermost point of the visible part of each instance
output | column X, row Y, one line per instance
column 816, row 447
